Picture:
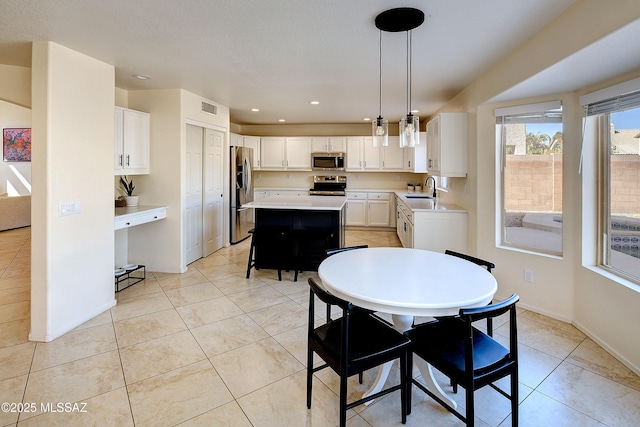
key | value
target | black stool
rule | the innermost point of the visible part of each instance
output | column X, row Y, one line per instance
column 276, row 249
column 252, row 259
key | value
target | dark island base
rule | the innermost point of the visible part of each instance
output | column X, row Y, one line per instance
column 296, row 240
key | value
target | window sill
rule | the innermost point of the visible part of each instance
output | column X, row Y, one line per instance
column 610, row 275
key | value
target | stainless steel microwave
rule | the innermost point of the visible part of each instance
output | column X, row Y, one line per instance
column 327, row 161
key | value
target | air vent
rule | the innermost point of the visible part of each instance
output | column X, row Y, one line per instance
column 209, row 108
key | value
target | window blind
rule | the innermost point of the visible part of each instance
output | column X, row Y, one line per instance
column 624, row 102
column 545, row 112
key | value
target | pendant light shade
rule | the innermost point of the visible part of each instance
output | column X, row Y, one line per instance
column 410, row 124
column 409, row 131
column 380, row 127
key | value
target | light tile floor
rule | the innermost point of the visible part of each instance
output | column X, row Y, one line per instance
column 212, row 348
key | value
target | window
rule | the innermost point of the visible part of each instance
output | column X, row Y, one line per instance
column 617, row 124
column 530, row 202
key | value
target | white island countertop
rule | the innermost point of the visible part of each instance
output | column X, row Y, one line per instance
column 427, row 204
column 320, row 203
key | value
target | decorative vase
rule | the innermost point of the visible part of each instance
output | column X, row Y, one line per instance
column 132, row 200
column 410, row 188
column 418, row 188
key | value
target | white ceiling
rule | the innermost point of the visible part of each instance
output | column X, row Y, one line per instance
column 278, row 55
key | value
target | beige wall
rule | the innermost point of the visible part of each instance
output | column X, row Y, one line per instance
column 15, row 85
column 160, row 245
column 72, row 256
column 570, row 287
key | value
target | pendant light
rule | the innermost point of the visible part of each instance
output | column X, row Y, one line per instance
column 380, row 128
column 410, row 124
column 397, row 20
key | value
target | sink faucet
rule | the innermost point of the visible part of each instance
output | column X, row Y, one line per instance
column 426, row 184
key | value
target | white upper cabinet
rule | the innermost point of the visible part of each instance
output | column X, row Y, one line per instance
column 415, row 158
column 131, row 144
column 371, row 154
column 393, row 155
column 361, row 154
column 253, row 142
column 298, row 153
column 277, row 153
column 447, row 145
column 235, row 140
column 328, row 145
column 272, row 153
column 355, row 153
column 337, row 144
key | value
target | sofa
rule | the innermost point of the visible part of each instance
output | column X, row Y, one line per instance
column 15, row 211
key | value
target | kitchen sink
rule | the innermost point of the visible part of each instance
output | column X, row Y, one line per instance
column 417, row 196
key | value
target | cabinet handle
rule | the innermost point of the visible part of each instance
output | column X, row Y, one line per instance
column 121, row 160
column 127, row 160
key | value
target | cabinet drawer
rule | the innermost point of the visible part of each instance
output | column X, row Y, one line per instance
column 379, row 196
column 131, row 220
column 356, row 196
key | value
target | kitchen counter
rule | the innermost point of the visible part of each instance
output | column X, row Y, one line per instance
column 309, row 203
column 427, row 204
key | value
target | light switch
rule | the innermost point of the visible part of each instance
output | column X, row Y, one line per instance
column 69, row 208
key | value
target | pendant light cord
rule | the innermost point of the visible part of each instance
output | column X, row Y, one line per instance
column 380, row 78
column 409, row 76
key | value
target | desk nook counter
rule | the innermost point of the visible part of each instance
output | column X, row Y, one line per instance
column 293, row 233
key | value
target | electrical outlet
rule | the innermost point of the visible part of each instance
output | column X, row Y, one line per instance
column 288, row 175
column 397, row 177
column 528, row 275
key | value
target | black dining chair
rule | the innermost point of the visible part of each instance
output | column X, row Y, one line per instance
column 486, row 264
column 336, row 251
column 351, row 345
column 468, row 356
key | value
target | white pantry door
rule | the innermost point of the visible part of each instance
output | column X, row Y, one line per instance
column 193, row 215
column 213, row 190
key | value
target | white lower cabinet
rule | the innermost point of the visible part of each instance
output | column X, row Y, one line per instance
column 431, row 230
column 369, row 209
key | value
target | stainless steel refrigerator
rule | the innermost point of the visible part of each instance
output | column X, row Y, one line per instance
column 241, row 219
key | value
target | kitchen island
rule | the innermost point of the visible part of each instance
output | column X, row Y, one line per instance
column 293, row 233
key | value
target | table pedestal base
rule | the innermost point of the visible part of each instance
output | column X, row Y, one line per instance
column 403, row 323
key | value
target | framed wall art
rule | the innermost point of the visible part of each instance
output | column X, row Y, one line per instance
column 16, row 144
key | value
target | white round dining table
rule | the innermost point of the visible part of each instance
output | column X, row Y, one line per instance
column 407, row 282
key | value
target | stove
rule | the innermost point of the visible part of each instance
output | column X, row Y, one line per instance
column 328, row 185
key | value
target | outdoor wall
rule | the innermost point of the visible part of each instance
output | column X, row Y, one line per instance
column 533, row 183
column 625, row 185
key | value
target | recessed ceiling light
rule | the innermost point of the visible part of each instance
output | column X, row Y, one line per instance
column 281, row 120
column 415, row 111
column 314, row 102
column 367, row 119
column 141, row 76
column 255, row 109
